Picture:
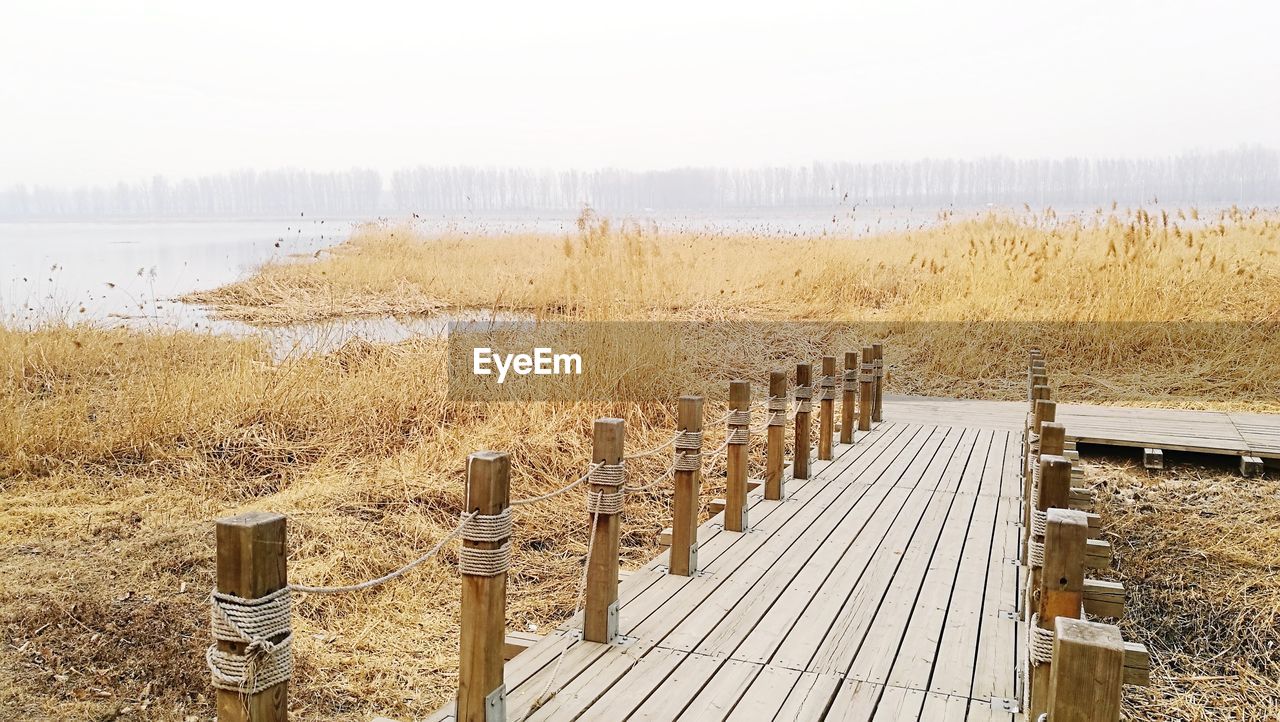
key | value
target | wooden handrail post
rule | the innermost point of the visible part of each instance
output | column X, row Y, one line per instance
column 849, row 386
column 827, row 408
column 775, row 452
column 800, row 464
column 1029, row 441
column 600, row 619
column 481, row 692
column 251, row 563
column 1055, row 493
column 1045, row 411
column 735, row 493
column 1087, row 672
column 866, row 383
column 685, row 506
column 877, row 404
column 1061, row 591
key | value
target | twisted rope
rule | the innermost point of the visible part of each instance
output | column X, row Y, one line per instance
column 457, row 531
column 654, row 450
column 1040, row 642
column 253, row 622
column 557, row 492
column 489, row 528
column 827, row 385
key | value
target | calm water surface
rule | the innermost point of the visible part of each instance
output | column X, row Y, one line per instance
column 129, row 272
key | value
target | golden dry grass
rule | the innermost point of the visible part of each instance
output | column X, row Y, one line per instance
column 118, row 449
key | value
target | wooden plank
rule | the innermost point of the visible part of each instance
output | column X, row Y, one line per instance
column 855, row 701
column 720, row 696
column 829, row 618
column 786, row 590
column 942, row 708
column 999, row 634
column 947, row 512
column 920, row 519
column 766, row 694
column 809, row 698
column 955, row 661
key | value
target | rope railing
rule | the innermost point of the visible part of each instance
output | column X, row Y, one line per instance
column 1065, row 649
column 251, row 651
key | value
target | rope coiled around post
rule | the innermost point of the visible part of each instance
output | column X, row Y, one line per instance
column 777, row 407
column 688, row 451
column 803, row 395
column 827, row 388
column 850, row 380
column 738, row 429
column 486, row 528
column 254, row 623
column 1039, row 642
column 607, row 502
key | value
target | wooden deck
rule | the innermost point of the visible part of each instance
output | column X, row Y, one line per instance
column 1209, row 432
column 880, row 589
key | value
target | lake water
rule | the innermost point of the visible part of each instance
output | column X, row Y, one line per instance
column 130, row 272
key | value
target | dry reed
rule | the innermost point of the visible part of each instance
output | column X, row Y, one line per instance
column 118, row 449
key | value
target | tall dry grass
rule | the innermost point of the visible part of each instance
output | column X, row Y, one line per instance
column 118, row 449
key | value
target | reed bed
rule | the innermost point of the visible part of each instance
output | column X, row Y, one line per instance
column 118, row 449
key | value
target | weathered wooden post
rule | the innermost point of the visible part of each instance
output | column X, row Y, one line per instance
column 739, row 433
column 688, row 472
column 877, row 404
column 1060, row 594
column 1087, row 672
column 251, row 606
column 483, row 559
column 774, row 484
column 604, row 503
column 849, row 387
column 827, row 407
column 1045, row 411
column 1054, row 493
column 804, row 395
column 866, row 384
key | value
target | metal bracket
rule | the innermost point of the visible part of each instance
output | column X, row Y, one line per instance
column 693, row 558
column 1006, row 705
column 495, row 705
column 1008, row 614
column 611, row 628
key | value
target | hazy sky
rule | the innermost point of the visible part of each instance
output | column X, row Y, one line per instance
column 95, row 91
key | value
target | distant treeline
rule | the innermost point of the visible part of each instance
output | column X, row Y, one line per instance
column 1247, row 176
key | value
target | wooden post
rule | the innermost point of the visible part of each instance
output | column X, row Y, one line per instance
column 735, row 493
column 600, row 620
column 1055, row 493
column 847, row 397
column 877, row 404
column 481, row 693
column 827, row 408
column 251, row 559
column 1087, row 672
column 685, row 506
column 775, row 453
column 1045, row 410
column 800, row 465
column 1061, row 590
column 865, row 389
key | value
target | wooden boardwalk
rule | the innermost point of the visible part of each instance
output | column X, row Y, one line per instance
column 1210, row 432
column 879, row 589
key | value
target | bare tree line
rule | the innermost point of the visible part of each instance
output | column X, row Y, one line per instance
column 1247, row 176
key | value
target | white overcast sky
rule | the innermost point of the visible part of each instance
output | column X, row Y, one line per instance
column 99, row 90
